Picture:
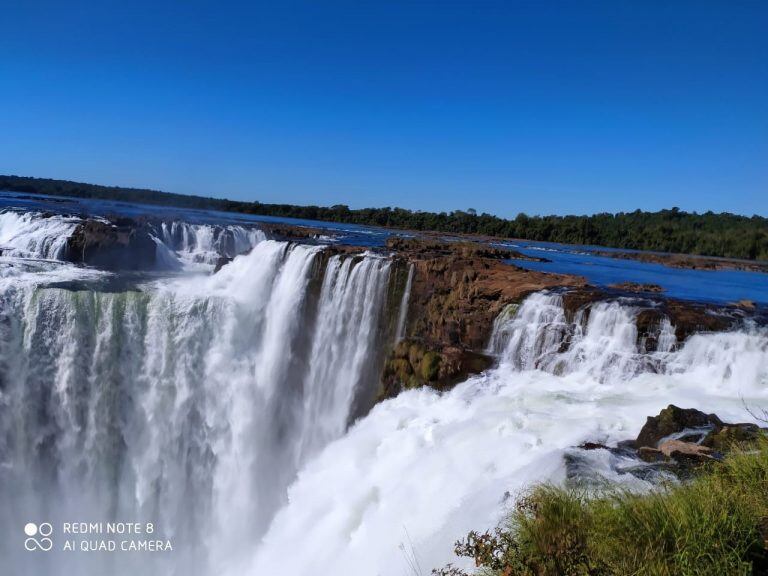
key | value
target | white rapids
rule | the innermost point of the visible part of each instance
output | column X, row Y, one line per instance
column 33, row 235
column 199, row 246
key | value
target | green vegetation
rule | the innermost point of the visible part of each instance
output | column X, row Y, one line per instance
column 715, row 524
column 430, row 366
column 710, row 234
column 412, row 364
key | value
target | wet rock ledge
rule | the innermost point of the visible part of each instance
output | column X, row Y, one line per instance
column 121, row 243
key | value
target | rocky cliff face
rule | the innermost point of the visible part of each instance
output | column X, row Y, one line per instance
column 457, row 290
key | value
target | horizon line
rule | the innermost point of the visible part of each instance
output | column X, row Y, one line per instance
column 382, row 207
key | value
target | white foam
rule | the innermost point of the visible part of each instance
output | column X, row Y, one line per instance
column 423, row 469
column 32, row 235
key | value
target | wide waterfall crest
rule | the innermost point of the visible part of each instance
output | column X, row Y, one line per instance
column 179, row 245
column 233, row 409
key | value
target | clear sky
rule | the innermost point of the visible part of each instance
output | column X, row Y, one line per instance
column 542, row 106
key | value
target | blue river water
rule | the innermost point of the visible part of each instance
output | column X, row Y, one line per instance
column 718, row 286
column 721, row 286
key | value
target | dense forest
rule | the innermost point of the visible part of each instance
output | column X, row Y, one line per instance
column 727, row 235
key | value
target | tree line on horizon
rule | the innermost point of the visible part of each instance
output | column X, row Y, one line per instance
column 673, row 230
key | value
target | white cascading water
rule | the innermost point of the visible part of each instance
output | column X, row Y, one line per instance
column 350, row 302
column 180, row 245
column 184, row 245
column 403, row 314
column 33, row 235
column 423, row 469
column 191, row 403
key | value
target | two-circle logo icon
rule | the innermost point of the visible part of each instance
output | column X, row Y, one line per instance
column 32, row 531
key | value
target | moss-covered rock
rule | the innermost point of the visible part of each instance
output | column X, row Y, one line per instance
column 673, row 419
column 732, row 435
column 412, row 364
column 429, row 367
column 415, row 354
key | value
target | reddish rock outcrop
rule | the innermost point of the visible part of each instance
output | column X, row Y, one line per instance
column 457, row 291
column 459, row 288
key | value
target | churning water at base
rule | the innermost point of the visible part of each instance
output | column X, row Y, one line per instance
column 423, row 469
column 190, row 404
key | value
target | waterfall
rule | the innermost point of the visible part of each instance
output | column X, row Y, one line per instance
column 667, row 339
column 184, row 245
column 424, row 468
column 33, row 235
column 533, row 330
column 403, row 314
column 351, row 300
column 191, row 402
column 179, row 245
column 602, row 339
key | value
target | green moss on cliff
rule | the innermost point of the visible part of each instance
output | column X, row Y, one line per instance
column 412, row 364
column 430, row 366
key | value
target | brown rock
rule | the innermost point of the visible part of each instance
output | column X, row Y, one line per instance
column 459, row 288
column 122, row 243
column 593, row 446
column 685, row 452
column 731, row 435
column 652, row 455
column 637, row 287
column 411, row 365
column 673, row 419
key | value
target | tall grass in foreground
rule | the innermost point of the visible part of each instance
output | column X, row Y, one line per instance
column 715, row 524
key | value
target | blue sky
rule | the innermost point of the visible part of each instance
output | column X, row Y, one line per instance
column 540, row 107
